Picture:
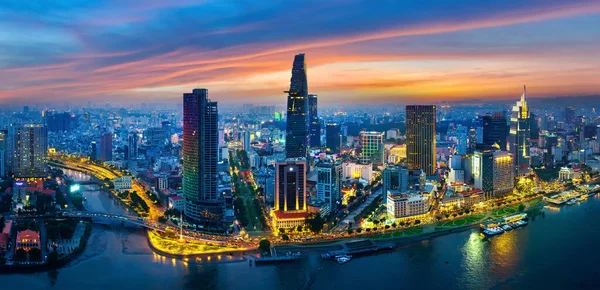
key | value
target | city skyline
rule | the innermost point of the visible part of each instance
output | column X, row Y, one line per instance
column 396, row 53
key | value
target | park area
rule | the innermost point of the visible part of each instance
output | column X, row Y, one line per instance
column 171, row 245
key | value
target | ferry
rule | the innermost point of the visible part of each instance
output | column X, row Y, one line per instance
column 507, row 227
column 493, row 231
column 570, row 202
column 342, row 259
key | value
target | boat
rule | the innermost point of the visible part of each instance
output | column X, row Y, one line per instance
column 507, row 227
column 493, row 231
column 342, row 259
column 570, row 202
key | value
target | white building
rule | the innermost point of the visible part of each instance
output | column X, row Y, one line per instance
column 357, row 171
column 122, row 183
column 176, row 202
column 403, row 205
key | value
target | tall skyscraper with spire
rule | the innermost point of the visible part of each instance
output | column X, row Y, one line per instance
column 520, row 134
column 203, row 204
column 296, row 140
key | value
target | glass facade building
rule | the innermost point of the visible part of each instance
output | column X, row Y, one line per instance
column 421, row 138
column 296, row 141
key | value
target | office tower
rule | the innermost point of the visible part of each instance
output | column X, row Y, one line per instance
column 94, row 151
column 494, row 130
column 30, row 147
column 534, row 128
column 246, row 141
column 329, row 183
column 493, row 172
column 519, row 135
column 314, row 125
column 296, row 141
column 421, row 138
column 290, row 187
column 371, row 144
column 570, row 115
column 333, row 138
column 395, row 178
column 105, row 147
column 503, row 173
column 203, row 204
column 462, row 135
column 4, row 153
column 132, row 146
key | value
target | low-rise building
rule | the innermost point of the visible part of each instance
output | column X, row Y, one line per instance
column 176, row 202
column 288, row 220
column 409, row 204
column 28, row 240
column 122, row 183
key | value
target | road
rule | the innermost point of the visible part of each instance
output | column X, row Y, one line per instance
column 343, row 224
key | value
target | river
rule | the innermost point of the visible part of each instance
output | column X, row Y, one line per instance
column 556, row 251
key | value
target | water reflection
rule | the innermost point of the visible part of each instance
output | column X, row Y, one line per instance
column 504, row 254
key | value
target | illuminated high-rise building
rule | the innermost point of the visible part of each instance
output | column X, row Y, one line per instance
column 329, row 183
column 296, row 141
column 520, row 134
column 333, row 138
column 314, row 125
column 371, row 144
column 421, row 138
column 290, row 208
column 493, row 172
column 30, row 151
column 203, row 204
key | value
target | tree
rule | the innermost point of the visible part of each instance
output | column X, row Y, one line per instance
column 417, row 222
column 368, row 230
column 387, row 227
column 285, row 237
column 394, row 225
column 35, row 255
column 299, row 228
column 521, row 207
column 264, row 245
column 20, row 255
column 315, row 223
column 402, row 224
column 282, row 230
column 350, row 231
column 359, row 230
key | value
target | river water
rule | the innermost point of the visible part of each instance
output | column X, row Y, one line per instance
column 556, row 251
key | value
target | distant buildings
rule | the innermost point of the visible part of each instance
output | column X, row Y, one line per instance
column 314, row 125
column 296, row 141
column 30, row 151
column 371, row 144
column 59, row 121
column 333, row 138
column 520, row 135
column 421, row 138
column 203, row 204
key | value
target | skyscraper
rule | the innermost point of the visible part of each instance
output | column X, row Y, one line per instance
column 462, row 135
column 420, row 138
column 246, row 141
column 290, row 187
column 4, row 153
column 520, row 134
column 30, row 151
column 315, row 125
column 329, row 183
column 333, row 138
column 296, row 141
column 106, row 147
column 203, row 204
column 570, row 115
column 493, row 172
column 132, row 145
column 494, row 129
column 371, row 147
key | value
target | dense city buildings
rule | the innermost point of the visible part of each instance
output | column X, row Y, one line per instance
column 203, row 204
column 421, row 138
column 371, row 147
column 395, row 178
column 333, row 138
column 59, row 121
column 30, row 151
column 297, row 135
column 314, row 125
column 520, row 135
column 493, row 172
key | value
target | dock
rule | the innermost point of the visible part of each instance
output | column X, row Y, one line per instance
column 359, row 247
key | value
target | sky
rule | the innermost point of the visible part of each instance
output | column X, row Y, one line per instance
column 401, row 51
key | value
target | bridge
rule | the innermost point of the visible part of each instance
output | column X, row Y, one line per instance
column 139, row 221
